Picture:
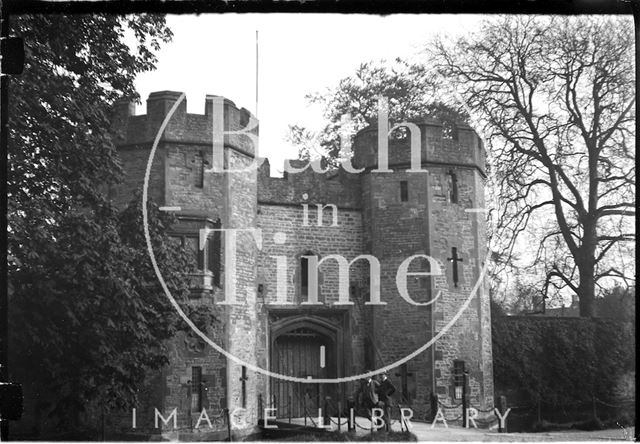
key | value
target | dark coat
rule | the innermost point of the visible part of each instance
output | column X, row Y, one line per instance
column 385, row 390
column 371, row 393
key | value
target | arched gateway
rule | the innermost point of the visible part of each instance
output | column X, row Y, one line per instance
column 304, row 347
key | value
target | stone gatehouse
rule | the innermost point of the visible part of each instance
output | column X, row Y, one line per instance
column 389, row 215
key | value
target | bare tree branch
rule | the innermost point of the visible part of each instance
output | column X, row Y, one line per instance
column 556, row 99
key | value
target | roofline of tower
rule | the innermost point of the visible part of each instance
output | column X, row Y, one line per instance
column 427, row 163
column 427, row 121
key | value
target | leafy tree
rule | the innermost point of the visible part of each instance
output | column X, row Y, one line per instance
column 76, row 67
column 556, row 99
column 87, row 314
column 90, row 312
column 353, row 105
column 305, row 140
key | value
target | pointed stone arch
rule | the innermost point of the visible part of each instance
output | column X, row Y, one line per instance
column 295, row 343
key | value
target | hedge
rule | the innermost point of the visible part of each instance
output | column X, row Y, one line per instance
column 567, row 360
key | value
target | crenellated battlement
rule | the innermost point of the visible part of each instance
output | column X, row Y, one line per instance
column 337, row 187
column 454, row 144
column 183, row 127
column 460, row 147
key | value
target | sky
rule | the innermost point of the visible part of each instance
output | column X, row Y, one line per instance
column 298, row 54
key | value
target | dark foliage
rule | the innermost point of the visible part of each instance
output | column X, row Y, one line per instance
column 87, row 315
column 562, row 361
column 410, row 94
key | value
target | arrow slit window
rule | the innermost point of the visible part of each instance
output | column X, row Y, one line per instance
column 214, row 251
column 200, row 163
column 452, row 185
column 404, row 191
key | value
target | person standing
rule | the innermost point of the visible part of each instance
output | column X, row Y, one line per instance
column 371, row 396
column 385, row 391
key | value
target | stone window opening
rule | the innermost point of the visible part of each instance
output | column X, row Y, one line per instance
column 214, row 253
column 198, row 169
column 404, row 191
column 196, row 388
column 452, row 185
column 206, row 259
column 303, row 278
column 449, row 130
column 458, row 378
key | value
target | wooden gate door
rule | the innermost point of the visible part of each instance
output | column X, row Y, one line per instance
column 303, row 352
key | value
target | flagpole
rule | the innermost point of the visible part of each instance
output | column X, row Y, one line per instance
column 256, row 73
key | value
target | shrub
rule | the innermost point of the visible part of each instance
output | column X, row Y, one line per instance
column 563, row 363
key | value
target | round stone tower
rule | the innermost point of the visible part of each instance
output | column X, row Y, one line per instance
column 182, row 180
column 427, row 197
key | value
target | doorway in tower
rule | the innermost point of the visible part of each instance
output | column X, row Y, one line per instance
column 304, row 347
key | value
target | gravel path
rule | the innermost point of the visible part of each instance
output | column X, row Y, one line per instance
column 426, row 433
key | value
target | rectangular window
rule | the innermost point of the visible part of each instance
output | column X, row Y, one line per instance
column 304, row 277
column 404, row 191
column 196, row 389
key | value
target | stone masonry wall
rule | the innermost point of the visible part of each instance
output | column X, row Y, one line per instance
column 345, row 239
column 395, row 231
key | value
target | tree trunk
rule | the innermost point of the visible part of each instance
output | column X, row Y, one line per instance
column 585, row 260
column 586, row 289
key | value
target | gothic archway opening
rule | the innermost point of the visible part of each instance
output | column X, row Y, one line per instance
column 305, row 349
